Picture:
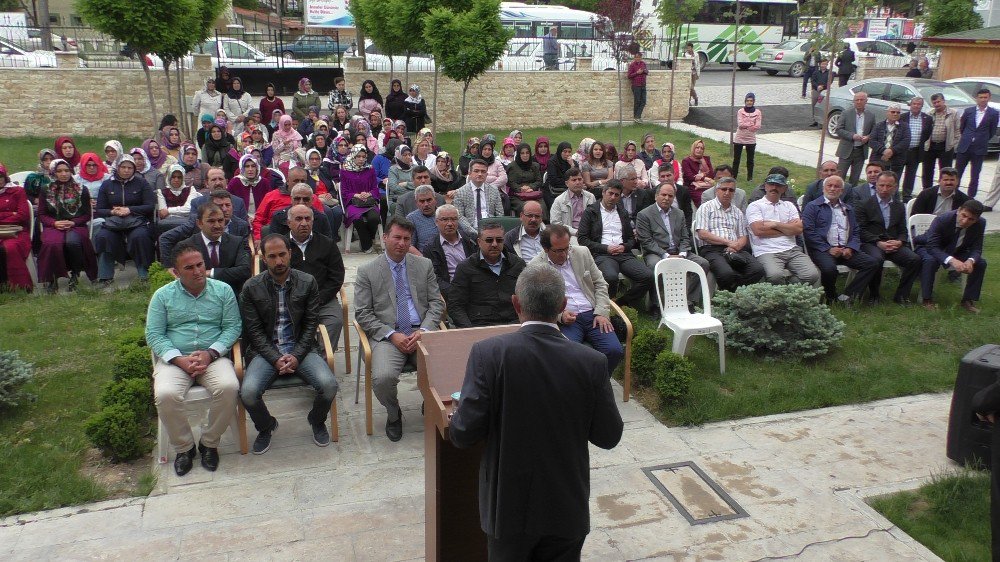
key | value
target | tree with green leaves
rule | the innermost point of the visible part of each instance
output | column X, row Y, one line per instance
column 672, row 14
column 372, row 19
column 466, row 44
column 950, row 16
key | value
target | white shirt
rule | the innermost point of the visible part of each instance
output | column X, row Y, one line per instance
column 859, row 125
column 208, row 246
column 302, row 245
column 840, row 229
column 530, row 245
column 484, row 202
column 611, row 234
column 576, row 302
column 764, row 210
column 980, row 113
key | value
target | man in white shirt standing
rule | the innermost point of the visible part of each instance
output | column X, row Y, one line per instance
column 774, row 224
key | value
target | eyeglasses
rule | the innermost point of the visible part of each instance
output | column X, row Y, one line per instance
column 492, row 241
column 527, row 216
column 725, row 189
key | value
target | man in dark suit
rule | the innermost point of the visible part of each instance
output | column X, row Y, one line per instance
column 882, row 221
column 483, row 284
column 227, row 257
column 664, row 234
column 318, row 256
column 221, row 198
column 854, row 131
column 633, row 199
column 860, row 193
column 535, row 471
column 525, row 241
column 605, row 231
column 682, row 196
column 449, row 249
column 986, row 405
column 955, row 240
column 920, row 126
column 301, row 194
column 942, row 198
column 890, row 140
column 845, row 65
column 977, row 125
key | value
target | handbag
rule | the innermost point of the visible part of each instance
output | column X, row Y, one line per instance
column 363, row 203
column 123, row 224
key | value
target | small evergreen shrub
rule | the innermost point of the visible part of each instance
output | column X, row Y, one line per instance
column 673, row 375
column 135, row 335
column 646, row 345
column 777, row 320
column 135, row 394
column 116, row 432
column 158, row 277
column 131, row 362
column 14, row 373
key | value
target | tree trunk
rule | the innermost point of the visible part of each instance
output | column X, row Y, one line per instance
column 181, row 110
column 43, row 23
column 406, row 72
column 434, row 102
column 826, row 99
column 149, row 92
column 673, row 70
column 170, row 94
column 461, row 127
column 732, row 86
column 621, row 103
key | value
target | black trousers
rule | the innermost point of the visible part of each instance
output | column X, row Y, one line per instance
column 909, row 264
column 827, row 265
column 842, row 79
column 937, row 153
column 631, row 267
column 519, row 548
column 727, row 277
column 367, row 227
column 914, row 156
column 737, row 152
column 964, row 159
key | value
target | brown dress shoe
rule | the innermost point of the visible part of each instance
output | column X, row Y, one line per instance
column 970, row 306
column 929, row 304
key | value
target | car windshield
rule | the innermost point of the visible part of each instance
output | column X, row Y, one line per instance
column 790, row 44
column 952, row 94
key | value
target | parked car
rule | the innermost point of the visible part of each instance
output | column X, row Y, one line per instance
column 233, row 52
column 310, row 47
column 378, row 62
column 58, row 42
column 884, row 91
column 886, row 54
column 13, row 56
column 787, row 56
column 973, row 84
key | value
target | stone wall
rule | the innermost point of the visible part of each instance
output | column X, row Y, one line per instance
column 113, row 102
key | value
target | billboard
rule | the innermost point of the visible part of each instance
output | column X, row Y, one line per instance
column 328, row 13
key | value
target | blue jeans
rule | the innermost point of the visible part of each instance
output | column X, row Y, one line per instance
column 583, row 330
column 638, row 100
column 106, row 267
column 261, row 374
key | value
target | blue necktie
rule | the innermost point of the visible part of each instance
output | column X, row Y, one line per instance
column 402, row 309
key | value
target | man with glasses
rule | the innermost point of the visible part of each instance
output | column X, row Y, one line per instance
column 301, row 194
column 605, row 231
column 525, row 241
column 483, row 283
column 890, row 140
column 448, row 249
column 722, row 228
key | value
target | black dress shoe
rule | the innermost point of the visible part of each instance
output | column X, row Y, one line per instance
column 394, row 429
column 209, row 457
column 184, row 461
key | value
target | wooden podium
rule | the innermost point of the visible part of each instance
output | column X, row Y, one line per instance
column 451, row 495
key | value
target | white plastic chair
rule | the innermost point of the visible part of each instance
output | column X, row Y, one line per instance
column 349, row 235
column 670, row 276
column 19, row 177
column 909, row 206
column 918, row 224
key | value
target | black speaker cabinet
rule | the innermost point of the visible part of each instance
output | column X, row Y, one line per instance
column 968, row 438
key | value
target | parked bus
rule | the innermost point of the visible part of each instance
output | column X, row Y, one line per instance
column 533, row 21
column 713, row 32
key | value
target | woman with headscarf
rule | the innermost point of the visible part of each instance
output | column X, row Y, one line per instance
column 127, row 204
column 394, row 101
column 285, row 141
column 92, row 174
column 697, row 171
column 361, row 126
column 748, row 122
column 524, row 180
column 649, row 154
column 64, row 209
column 217, row 149
column 254, row 136
column 667, row 156
column 170, row 141
column 250, row 185
column 495, row 173
column 630, row 157
column 370, row 99
column 444, row 176
column 195, row 171
column 153, row 177
column 173, row 202
column 508, row 152
column 237, row 102
column 415, row 109
column 597, row 169
column 158, row 158
column 113, row 153
column 401, row 174
column 225, row 80
column 426, row 133
column 583, row 150
column 270, row 102
column 321, row 142
column 272, row 125
column 66, row 149
column 383, row 162
column 400, row 128
column 40, row 178
column 202, row 135
column 359, row 191
column 470, row 154
column 555, row 179
column 304, row 98
column 375, row 124
column 325, row 189
column 542, row 153
column 335, row 156
column 422, row 153
column 15, row 247
column 517, row 136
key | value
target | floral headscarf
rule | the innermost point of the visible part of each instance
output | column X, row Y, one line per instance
column 102, row 169
column 349, row 161
column 243, row 178
column 416, row 98
column 64, row 195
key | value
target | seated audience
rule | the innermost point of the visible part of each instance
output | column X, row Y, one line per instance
column 555, row 170
column 66, row 250
column 425, row 227
column 195, row 171
column 955, row 241
column 38, row 179
column 250, row 184
column 740, row 196
column 360, row 194
column 407, row 203
column 682, row 195
column 158, row 158
column 444, row 176
column 630, row 159
column 191, row 324
column 815, row 188
column 301, row 194
column 156, row 179
column 318, row 256
column 484, row 283
column 400, row 173
column 221, row 199
column 524, row 180
column 477, row 199
column 774, row 224
column 127, row 204
column 448, row 249
column 722, row 228
column 568, row 207
column 227, row 257
column 788, row 194
column 281, row 198
column 173, row 202
column 697, row 171
column 941, row 199
column 633, row 199
column 524, row 240
column 882, row 222
column 15, row 247
column 864, row 190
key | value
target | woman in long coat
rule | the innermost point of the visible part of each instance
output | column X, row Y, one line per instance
column 64, row 209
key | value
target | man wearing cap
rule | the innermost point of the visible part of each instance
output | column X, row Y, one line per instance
column 774, row 224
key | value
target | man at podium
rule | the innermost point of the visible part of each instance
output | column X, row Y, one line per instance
column 537, row 399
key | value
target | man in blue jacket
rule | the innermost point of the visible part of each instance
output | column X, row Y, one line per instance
column 955, row 240
column 978, row 125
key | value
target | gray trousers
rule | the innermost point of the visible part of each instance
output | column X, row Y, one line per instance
column 856, row 162
column 331, row 315
column 789, row 266
column 387, row 363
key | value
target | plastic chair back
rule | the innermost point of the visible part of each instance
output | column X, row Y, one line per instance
column 909, row 206
column 670, row 276
column 919, row 224
column 20, row 177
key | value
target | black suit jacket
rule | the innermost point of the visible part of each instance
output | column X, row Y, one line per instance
column 940, row 238
column 324, row 262
column 642, row 198
column 279, row 224
column 873, row 227
column 237, row 227
column 592, row 225
column 435, row 253
column 926, row 124
column 234, row 259
column 239, row 207
column 927, row 201
column 534, row 477
column 478, row 297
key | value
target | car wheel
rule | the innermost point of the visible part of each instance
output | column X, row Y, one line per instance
column 797, row 70
column 744, row 65
column 771, row 72
column 832, row 122
column 702, row 61
column 287, row 55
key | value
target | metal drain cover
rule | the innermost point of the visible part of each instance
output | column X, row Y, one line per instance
column 699, row 498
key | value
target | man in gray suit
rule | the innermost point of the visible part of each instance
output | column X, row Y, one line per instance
column 854, row 132
column 396, row 298
column 664, row 234
column 476, row 200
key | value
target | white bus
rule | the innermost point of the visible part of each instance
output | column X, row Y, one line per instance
column 713, row 31
column 533, row 21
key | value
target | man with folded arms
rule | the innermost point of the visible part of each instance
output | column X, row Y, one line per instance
column 774, row 224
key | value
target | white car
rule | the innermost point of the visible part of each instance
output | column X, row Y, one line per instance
column 886, row 54
column 973, row 84
column 233, row 52
column 377, row 62
column 14, row 56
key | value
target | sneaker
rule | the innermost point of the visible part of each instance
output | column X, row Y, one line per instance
column 321, row 437
column 263, row 441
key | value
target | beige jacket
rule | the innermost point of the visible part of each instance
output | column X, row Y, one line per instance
column 588, row 276
column 952, row 123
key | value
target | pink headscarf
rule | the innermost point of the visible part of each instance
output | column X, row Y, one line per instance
column 288, row 136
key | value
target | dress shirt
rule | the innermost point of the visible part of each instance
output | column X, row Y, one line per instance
column 576, row 302
column 576, row 202
column 885, row 205
column 764, row 210
column 980, row 113
column 494, row 267
column 484, row 200
column 938, row 131
column 303, row 245
column 943, row 204
column 916, row 128
column 400, row 269
column 208, row 246
column 611, row 233
column 729, row 223
column 859, row 126
column 179, row 323
column 530, row 245
column 454, row 254
column 839, row 231
column 284, row 334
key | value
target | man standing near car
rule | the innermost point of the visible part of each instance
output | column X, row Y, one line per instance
column 943, row 140
column 550, row 49
column 818, row 81
column 854, row 132
column 845, row 65
column 920, row 125
column 977, row 126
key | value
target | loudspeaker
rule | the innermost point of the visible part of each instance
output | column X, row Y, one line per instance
column 968, row 438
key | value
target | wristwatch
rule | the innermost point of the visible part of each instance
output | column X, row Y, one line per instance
column 213, row 354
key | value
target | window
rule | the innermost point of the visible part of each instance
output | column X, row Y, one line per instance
column 875, row 90
column 75, row 20
column 237, row 51
column 55, row 19
column 900, row 94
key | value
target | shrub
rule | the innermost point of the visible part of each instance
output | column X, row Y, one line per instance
column 14, row 373
column 646, row 345
column 158, row 277
column 134, row 394
column 134, row 336
column 131, row 362
column 777, row 320
column 115, row 431
column 673, row 375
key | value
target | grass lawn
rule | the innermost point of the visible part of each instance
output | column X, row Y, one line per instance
column 950, row 516
column 43, row 449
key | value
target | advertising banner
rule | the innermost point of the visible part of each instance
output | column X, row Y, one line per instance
column 328, row 13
